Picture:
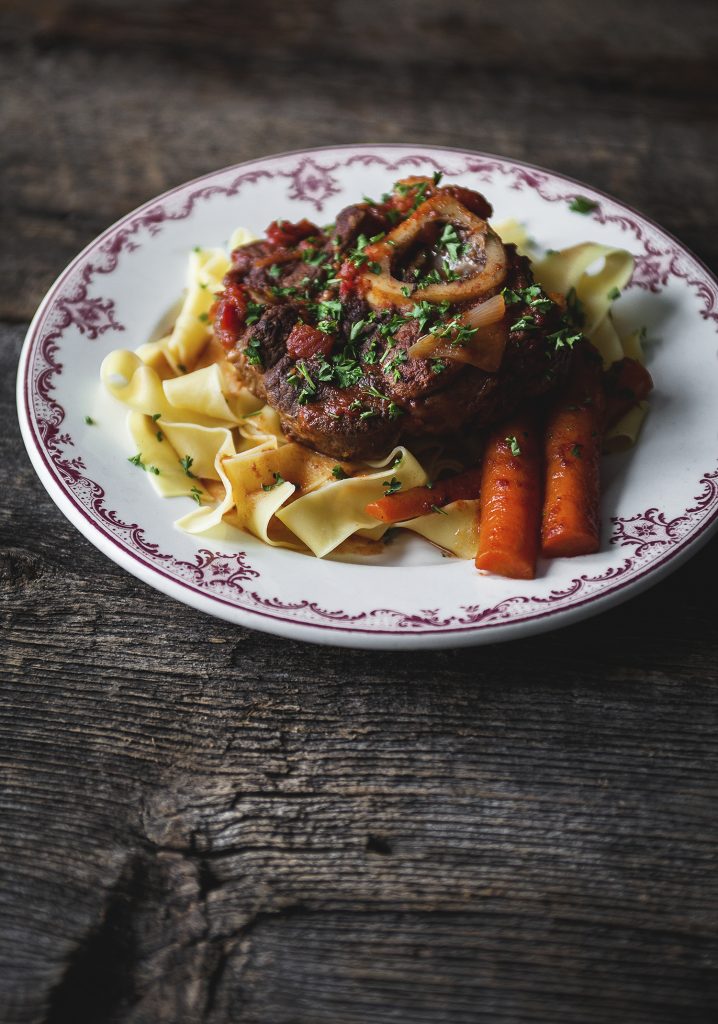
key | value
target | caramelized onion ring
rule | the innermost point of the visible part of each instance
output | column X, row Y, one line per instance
column 383, row 289
column 484, row 350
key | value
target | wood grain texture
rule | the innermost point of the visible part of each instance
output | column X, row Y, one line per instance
column 201, row 823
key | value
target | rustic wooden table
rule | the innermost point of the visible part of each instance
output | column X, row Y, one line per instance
column 203, row 823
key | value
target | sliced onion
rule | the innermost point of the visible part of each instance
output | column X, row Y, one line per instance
column 485, row 349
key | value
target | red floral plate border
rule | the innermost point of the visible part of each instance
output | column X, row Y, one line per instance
column 227, row 583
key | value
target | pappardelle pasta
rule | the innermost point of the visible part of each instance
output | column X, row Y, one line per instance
column 260, row 362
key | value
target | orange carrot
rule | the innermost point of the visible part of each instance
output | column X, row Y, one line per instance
column 510, row 507
column 571, row 512
column 626, row 384
column 419, row 501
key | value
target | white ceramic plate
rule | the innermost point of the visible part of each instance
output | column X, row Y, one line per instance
column 660, row 501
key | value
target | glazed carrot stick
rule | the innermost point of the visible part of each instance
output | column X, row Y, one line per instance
column 572, row 448
column 419, row 501
column 510, row 507
column 626, row 384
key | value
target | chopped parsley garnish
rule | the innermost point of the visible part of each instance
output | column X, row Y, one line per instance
column 356, row 330
column 186, row 463
column 300, row 377
column 576, row 451
column 435, row 508
column 160, row 436
column 89, row 421
column 423, row 312
column 278, row 479
column 156, row 416
column 274, row 271
column 395, row 411
column 615, row 293
column 347, row 371
column 437, row 176
column 254, row 312
column 253, row 352
column 339, row 474
column 391, row 486
column 438, row 365
column 328, row 314
column 524, row 323
column 367, row 414
column 565, row 338
column 196, row 494
column 450, row 240
column 397, row 360
column 513, row 445
column 154, row 469
column 204, row 317
column 136, row 460
column 580, row 204
column 356, row 255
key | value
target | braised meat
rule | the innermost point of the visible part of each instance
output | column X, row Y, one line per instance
column 406, row 318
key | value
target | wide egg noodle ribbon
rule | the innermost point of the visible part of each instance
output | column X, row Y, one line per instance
column 454, row 529
column 191, row 331
column 567, row 269
column 513, row 232
column 331, row 513
column 204, row 392
column 260, row 487
column 208, row 516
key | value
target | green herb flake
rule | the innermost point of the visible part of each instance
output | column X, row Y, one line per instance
column 615, row 293
column 437, row 176
column 136, row 460
column 513, row 445
column 441, row 512
column 186, row 463
column 391, row 486
column 196, row 494
column 356, row 330
column 278, row 479
column 576, row 451
column 253, row 352
column 339, row 474
column 89, row 421
column 153, row 469
column 524, row 323
column 580, row 204
column 204, row 317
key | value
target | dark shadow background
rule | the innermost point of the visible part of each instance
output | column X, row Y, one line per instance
column 204, row 823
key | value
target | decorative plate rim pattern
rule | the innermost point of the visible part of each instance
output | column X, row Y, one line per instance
column 220, row 583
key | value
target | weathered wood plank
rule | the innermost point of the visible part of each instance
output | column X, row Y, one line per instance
column 203, row 823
